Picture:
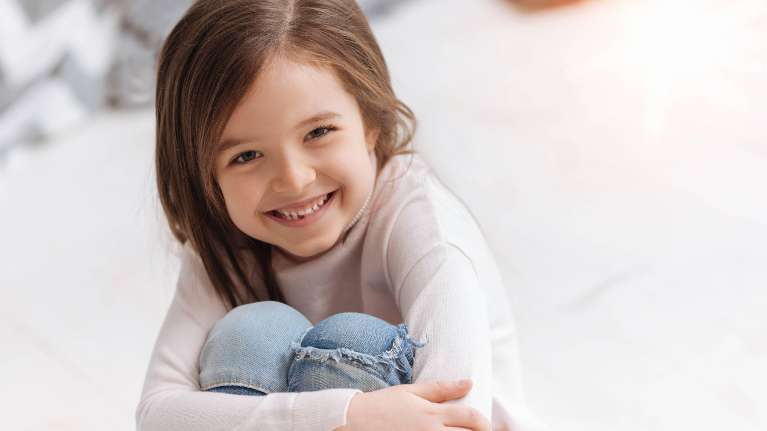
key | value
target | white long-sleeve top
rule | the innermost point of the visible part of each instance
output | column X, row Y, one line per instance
column 414, row 255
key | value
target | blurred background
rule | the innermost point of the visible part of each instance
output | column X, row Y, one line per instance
column 614, row 152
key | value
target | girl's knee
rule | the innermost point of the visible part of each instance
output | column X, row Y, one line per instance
column 262, row 310
column 259, row 317
column 250, row 347
column 361, row 332
column 353, row 350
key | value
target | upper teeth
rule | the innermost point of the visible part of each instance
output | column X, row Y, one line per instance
column 306, row 210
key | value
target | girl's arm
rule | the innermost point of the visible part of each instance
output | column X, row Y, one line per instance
column 437, row 289
column 441, row 301
column 171, row 398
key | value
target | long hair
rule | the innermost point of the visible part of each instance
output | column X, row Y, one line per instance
column 206, row 64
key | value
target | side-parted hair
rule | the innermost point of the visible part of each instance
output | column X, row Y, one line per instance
column 205, row 67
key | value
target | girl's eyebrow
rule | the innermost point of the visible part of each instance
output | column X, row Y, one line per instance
column 321, row 116
column 325, row 115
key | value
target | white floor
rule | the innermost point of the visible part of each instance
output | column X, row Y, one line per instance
column 615, row 153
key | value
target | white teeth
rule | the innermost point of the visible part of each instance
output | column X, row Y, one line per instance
column 292, row 215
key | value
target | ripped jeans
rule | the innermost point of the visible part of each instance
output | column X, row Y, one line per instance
column 267, row 347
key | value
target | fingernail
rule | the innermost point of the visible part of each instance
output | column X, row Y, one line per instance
column 464, row 382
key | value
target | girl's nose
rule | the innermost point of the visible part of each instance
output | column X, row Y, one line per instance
column 293, row 177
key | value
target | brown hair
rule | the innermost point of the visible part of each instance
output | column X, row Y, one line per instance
column 206, row 65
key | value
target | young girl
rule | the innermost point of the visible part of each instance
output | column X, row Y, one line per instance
column 328, row 279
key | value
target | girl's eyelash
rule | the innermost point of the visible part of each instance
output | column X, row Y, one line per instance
column 240, row 155
column 328, row 127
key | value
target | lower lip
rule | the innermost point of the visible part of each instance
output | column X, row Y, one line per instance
column 311, row 218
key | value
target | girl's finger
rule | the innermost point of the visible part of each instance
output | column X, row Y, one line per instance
column 465, row 417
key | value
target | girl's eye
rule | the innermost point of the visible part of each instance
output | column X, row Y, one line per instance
column 315, row 134
column 324, row 130
column 245, row 157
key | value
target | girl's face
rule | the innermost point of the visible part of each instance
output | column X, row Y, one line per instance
column 295, row 136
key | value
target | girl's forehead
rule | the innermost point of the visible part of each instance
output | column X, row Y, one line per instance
column 281, row 71
column 286, row 93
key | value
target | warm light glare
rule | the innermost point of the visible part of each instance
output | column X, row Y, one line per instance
column 683, row 48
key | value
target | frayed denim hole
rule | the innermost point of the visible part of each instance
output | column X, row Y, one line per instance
column 402, row 330
column 301, row 338
column 402, row 352
column 334, row 354
column 409, row 344
column 397, row 356
column 295, row 345
column 393, row 357
column 361, row 360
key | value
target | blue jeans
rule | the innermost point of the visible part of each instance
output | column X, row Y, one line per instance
column 267, row 347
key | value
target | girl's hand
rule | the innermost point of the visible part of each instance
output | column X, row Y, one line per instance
column 414, row 407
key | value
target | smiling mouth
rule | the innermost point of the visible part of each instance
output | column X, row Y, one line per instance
column 278, row 215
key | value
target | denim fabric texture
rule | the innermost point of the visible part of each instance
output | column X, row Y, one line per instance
column 268, row 347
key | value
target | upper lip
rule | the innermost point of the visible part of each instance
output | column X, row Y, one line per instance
column 298, row 204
